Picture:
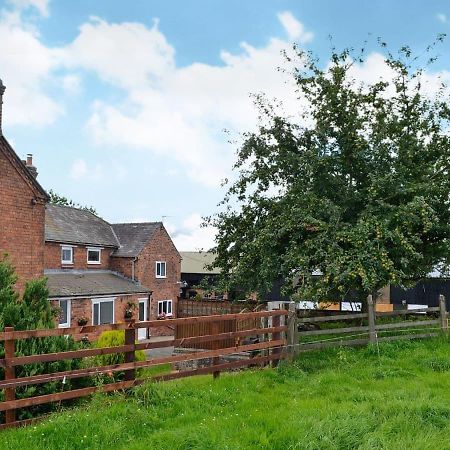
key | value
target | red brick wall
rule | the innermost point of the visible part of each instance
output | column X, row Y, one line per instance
column 52, row 257
column 160, row 248
column 21, row 223
column 122, row 265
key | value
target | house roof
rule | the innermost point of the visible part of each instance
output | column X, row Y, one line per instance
column 90, row 283
column 194, row 262
column 133, row 237
column 77, row 226
column 21, row 168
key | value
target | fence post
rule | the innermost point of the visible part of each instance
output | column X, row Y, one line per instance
column 291, row 332
column 215, row 327
column 371, row 317
column 10, row 393
column 276, row 322
column 130, row 339
column 443, row 314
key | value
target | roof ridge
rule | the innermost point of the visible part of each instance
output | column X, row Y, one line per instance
column 136, row 223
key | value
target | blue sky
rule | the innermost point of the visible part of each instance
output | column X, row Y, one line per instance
column 123, row 104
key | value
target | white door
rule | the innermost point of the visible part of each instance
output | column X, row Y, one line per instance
column 143, row 316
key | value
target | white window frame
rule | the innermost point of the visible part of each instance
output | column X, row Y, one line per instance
column 160, row 263
column 168, row 302
column 69, row 313
column 67, row 247
column 94, row 249
column 98, row 301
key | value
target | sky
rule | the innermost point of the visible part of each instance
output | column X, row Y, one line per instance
column 137, row 108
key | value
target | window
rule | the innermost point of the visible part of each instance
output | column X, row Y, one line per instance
column 64, row 315
column 93, row 255
column 102, row 311
column 160, row 269
column 165, row 308
column 66, row 254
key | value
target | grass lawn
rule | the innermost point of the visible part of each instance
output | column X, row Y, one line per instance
column 397, row 398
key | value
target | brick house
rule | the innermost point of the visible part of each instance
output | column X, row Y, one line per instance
column 96, row 270
column 22, row 211
column 148, row 255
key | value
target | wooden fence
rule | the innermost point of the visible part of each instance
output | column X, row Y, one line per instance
column 305, row 334
column 273, row 341
column 194, row 308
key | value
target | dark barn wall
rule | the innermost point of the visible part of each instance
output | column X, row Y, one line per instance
column 423, row 293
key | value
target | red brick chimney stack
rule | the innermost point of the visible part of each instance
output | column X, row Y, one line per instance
column 2, row 91
column 30, row 167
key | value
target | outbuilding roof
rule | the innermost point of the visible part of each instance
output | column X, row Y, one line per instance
column 90, row 283
column 195, row 262
column 133, row 237
column 77, row 226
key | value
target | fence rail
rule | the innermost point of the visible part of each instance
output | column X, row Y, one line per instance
column 192, row 308
column 364, row 333
column 272, row 343
column 218, row 336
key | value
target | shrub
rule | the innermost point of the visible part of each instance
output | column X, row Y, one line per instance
column 33, row 311
column 112, row 339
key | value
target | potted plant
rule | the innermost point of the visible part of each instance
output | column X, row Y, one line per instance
column 162, row 316
column 129, row 310
column 82, row 321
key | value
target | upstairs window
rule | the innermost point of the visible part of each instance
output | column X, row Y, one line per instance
column 160, row 269
column 94, row 255
column 165, row 308
column 66, row 255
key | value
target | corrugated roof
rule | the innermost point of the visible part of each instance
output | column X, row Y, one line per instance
column 194, row 262
column 77, row 226
column 134, row 236
column 90, row 283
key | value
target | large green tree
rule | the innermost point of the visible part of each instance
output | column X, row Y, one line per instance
column 357, row 190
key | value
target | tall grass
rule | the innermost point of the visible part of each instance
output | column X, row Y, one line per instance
column 394, row 398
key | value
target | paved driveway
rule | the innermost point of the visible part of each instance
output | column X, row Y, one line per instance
column 159, row 352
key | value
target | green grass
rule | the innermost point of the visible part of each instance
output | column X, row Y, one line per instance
column 342, row 398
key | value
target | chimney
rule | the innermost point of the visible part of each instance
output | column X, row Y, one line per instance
column 29, row 165
column 2, row 91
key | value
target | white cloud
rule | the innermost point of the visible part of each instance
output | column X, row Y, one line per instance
column 296, row 30
column 190, row 236
column 79, row 169
column 442, row 17
column 72, row 84
column 178, row 113
column 128, row 55
column 26, row 65
column 40, row 5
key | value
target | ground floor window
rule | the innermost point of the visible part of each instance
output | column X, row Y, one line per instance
column 64, row 313
column 102, row 311
column 164, row 308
